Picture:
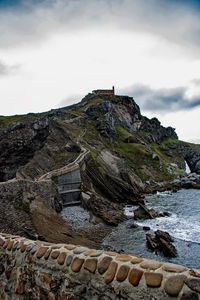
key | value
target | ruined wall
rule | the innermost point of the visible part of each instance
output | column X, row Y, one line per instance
column 39, row 270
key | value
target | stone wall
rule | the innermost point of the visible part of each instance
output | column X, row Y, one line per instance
column 39, row 270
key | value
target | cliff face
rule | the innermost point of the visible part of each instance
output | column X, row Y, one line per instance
column 144, row 148
column 124, row 151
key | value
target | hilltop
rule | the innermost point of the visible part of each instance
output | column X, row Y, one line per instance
column 122, row 155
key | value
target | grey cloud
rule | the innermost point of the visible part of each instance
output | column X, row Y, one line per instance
column 6, row 69
column 162, row 100
column 169, row 19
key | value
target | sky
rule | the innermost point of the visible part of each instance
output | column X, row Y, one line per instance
column 54, row 52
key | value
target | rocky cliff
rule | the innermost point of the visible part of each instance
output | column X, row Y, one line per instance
column 126, row 152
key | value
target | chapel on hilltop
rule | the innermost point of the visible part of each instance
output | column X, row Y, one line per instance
column 105, row 92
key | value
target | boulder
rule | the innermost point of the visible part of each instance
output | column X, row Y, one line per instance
column 142, row 212
column 162, row 242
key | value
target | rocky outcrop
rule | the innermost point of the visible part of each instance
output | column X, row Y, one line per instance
column 123, row 111
column 18, row 143
column 115, row 110
column 142, row 212
column 162, row 242
column 188, row 181
column 106, row 193
column 156, row 132
column 192, row 157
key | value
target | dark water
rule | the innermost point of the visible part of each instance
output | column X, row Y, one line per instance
column 183, row 225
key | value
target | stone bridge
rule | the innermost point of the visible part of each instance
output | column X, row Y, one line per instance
column 39, row 270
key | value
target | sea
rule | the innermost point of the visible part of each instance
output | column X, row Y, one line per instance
column 183, row 225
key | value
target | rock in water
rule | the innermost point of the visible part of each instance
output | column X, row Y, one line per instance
column 162, row 242
column 142, row 212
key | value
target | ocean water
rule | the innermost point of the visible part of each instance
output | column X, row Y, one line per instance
column 183, row 225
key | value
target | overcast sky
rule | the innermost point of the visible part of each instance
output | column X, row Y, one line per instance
column 53, row 52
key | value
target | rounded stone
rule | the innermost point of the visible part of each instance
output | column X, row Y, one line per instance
column 61, row 258
column 89, row 252
column 41, row 252
column 122, row 273
column 111, row 253
column 104, row 264
column 69, row 247
column 46, row 256
column 96, row 253
column 69, row 260
column 135, row 276
column 91, row 264
column 55, row 254
column 110, row 273
column 80, row 250
column 150, row 264
column 173, row 268
column 23, row 247
column 174, row 284
column 193, row 284
column 10, row 244
column 136, row 260
column 77, row 264
column 153, row 279
column 123, row 257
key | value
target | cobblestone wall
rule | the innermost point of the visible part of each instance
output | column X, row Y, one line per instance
column 39, row 270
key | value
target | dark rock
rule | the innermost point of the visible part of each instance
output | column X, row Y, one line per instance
column 132, row 139
column 146, row 228
column 162, row 241
column 151, row 242
column 193, row 284
column 167, row 248
column 133, row 226
column 142, row 212
column 164, row 235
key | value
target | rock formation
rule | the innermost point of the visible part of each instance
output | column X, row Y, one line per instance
column 120, row 154
column 162, row 242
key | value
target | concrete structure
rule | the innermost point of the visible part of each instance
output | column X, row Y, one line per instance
column 105, row 92
column 39, row 270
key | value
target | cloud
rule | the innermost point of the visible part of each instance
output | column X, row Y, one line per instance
column 177, row 21
column 174, row 99
column 6, row 69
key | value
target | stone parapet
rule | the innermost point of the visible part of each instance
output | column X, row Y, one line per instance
column 40, row 270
